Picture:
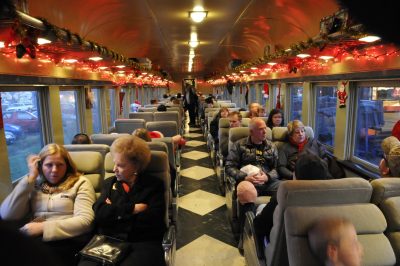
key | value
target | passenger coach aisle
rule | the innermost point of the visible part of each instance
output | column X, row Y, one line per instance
column 204, row 236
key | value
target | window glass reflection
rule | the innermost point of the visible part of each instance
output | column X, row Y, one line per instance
column 378, row 110
column 22, row 128
column 325, row 114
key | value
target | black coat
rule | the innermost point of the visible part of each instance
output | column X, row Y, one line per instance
column 117, row 220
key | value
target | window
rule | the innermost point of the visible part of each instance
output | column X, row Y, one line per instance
column 378, row 109
column 69, row 114
column 113, row 115
column 296, row 96
column 22, row 127
column 325, row 113
column 96, row 115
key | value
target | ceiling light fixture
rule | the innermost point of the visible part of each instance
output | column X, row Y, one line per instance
column 326, row 57
column 193, row 44
column 41, row 41
column 71, row 61
column 95, row 58
column 2, row 45
column 198, row 14
column 369, row 38
column 303, row 55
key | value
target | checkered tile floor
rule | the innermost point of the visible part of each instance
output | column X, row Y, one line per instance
column 204, row 236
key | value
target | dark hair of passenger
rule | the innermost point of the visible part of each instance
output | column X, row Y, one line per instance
column 178, row 95
column 153, row 101
column 310, row 166
column 239, row 115
column 165, row 96
column 209, row 100
column 81, row 138
column 271, row 114
column 161, row 108
column 142, row 133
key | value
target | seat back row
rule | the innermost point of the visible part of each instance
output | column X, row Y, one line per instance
column 168, row 128
column 372, row 208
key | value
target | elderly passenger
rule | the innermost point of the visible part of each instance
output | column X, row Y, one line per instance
column 297, row 142
column 56, row 200
column 132, row 205
column 390, row 164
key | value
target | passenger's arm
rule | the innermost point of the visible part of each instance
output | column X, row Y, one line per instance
column 17, row 204
column 81, row 220
column 273, row 173
column 284, row 172
column 233, row 163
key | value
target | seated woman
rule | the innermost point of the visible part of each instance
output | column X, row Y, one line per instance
column 56, row 200
column 275, row 119
column 297, row 142
column 131, row 206
column 214, row 125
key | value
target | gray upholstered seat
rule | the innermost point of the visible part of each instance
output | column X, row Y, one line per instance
column 386, row 195
column 91, row 165
column 128, row 125
column 168, row 128
column 169, row 116
column 303, row 193
column 107, row 139
column 146, row 116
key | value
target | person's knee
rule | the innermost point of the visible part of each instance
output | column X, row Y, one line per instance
column 246, row 192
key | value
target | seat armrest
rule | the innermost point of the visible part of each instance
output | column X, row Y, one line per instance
column 230, row 181
column 250, row 232
column 169, row 246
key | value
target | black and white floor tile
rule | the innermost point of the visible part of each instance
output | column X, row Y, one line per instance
column 204, row 236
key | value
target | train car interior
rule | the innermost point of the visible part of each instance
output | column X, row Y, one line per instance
column 198, row 77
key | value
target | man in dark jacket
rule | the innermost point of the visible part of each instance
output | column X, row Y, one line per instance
column 191, row 101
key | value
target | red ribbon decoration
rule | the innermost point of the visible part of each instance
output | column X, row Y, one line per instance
column 278, row 97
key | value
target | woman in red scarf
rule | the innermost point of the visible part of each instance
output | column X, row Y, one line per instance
column 297, row 142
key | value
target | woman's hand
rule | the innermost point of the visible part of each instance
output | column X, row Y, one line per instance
column 33, row 166
column 32, row 229
column 139, row 207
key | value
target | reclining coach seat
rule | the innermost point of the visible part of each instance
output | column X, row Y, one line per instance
column 168, row 128
column 106, row 139
column 169, row 116
column 157, row 167
column 127, row 125
column 317, row 198
column 91, row 165
column 280, row 135
column 386, row 195
column 222, row 153
column 146, row 116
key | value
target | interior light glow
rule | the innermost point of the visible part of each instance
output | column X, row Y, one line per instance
column 71, row 61
column 103, row 67
column 2, row 45
column 95, row 58
column 303, row 55
column 271, row 63
column 41, row 41
column 198, row 14
column 120, row 66
column 194, row 44
column 326, row 57
column 254, row 68
column 369, row 38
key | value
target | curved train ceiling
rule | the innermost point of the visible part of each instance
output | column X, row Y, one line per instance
column 160, row 29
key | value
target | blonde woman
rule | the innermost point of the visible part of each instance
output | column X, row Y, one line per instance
column 56, row 201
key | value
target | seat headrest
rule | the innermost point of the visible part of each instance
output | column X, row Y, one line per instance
column 245, row 122
column 223, row 123
column 106, row 139
column 325, row 192
column 279, row 133
column 102, row 148
column 309, row 132
column 158, row 146
column 87, row 161
column 237, row 133
column 384, row 188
